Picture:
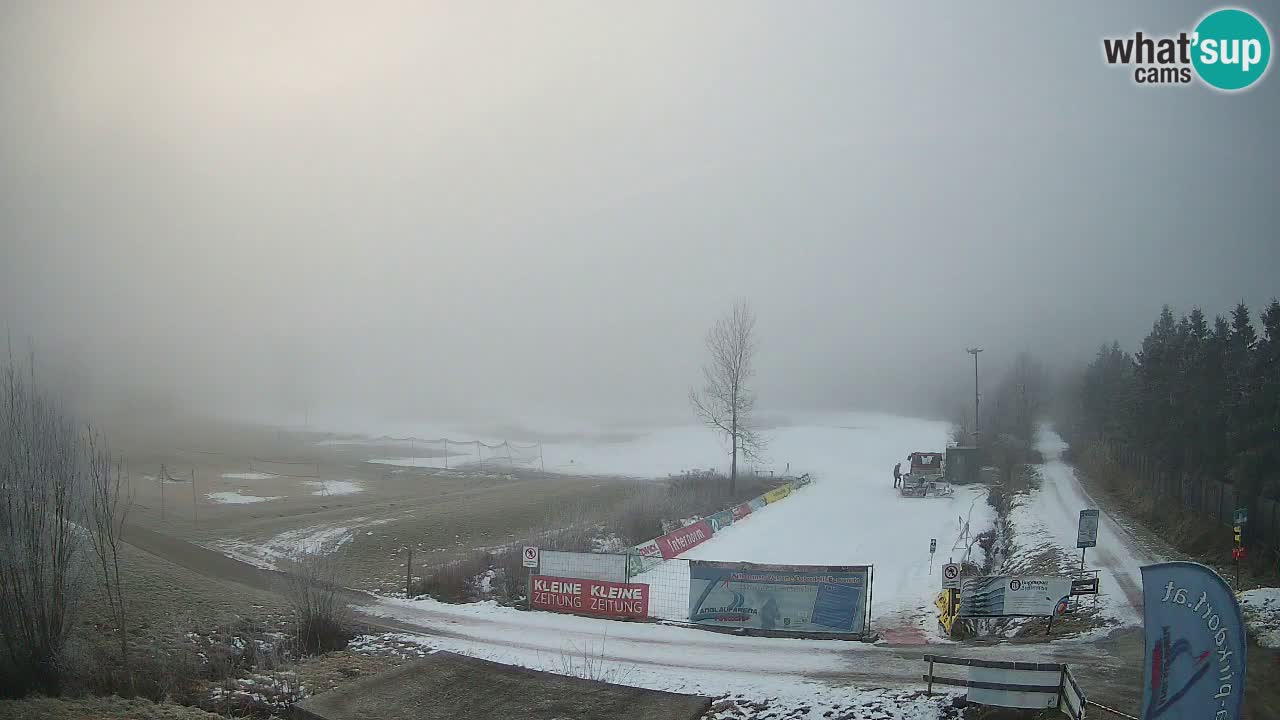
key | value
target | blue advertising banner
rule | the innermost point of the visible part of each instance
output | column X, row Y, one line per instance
column 782, row 598
column 1195, row 644
column 721, row 520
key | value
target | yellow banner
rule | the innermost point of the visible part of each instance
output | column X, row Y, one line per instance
column 947, row 610
column 777, row 494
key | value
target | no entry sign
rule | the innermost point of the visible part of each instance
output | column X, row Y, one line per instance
column 530, row 556
column 951, row 575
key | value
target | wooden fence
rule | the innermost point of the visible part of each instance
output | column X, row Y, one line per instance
column 1205, row 496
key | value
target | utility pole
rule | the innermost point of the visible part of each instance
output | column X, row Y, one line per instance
column 974, row 352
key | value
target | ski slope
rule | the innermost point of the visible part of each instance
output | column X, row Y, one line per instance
column 852, row 515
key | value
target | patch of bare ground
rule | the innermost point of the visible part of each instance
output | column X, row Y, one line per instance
column 331, row 670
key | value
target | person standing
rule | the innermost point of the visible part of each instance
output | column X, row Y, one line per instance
column 897, row 475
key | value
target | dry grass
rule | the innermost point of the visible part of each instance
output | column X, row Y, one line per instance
column 326, row 672
column 98, row 708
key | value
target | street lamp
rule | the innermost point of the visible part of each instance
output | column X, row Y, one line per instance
column 974, row 352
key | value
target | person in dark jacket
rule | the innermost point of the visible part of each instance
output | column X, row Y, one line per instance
column 897, row 475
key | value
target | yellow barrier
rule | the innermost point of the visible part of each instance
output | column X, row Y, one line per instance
column 948, row 609
column 777, row 494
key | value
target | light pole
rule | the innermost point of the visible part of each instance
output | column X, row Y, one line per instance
column 974, row 352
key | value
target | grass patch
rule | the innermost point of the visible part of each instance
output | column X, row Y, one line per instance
column 98, row 708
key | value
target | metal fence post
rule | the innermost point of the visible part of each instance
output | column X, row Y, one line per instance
column 929, row 690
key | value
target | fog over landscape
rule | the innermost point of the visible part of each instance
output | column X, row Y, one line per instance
column 427, row 210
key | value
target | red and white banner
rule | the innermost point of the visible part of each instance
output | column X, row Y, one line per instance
column 649, row 549
column 741, row 511
column 590, row 597
column 686, row 538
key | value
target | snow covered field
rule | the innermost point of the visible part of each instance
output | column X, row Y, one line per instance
column 235, row 498
column 852, row 515
column 248, row 476
column 334, row 487
column 849, row 515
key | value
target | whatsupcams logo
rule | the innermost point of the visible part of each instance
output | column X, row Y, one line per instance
column 1229, row 49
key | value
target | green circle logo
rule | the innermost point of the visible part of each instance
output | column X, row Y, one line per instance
column 1232, row 49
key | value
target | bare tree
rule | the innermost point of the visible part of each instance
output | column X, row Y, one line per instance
column 41, row 493
column 725, row 403
column 109, row 503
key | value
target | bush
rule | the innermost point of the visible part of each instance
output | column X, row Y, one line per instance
column 313, row 591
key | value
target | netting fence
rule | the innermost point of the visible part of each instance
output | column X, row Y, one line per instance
column 448, row 454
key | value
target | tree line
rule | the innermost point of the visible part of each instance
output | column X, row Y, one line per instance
column 1201, row 398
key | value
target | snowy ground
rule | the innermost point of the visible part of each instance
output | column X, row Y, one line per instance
column 235, row 498
column 334, row 487
column 784, row 675
column 249, row 476
column 1262, row 614
column 851, row 514
column 1051, row 514
column 740, row 698
column 269, row 554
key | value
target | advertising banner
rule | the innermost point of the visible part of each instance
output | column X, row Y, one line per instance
column 590, row 597
column 644, row 557
column 757, row 503
column 686, row 538
column 787, row 598
column 777, row 494
column 1006, row 596
column 721, row 520
column 590, row 566
column 1195, row 659
column 741, row 511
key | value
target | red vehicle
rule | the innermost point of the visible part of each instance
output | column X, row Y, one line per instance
column 926, row 476
column 925, row 463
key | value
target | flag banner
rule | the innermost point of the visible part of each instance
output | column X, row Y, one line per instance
column 1195, row 640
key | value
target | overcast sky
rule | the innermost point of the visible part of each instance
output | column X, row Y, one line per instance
column 538, row 208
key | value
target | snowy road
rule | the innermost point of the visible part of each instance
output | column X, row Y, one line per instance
column 1056, row 506
column 797, row 672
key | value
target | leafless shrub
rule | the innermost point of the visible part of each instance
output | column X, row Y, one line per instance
column 589, row 663
column 42, row 482
column 314, row 592
column 108, row 507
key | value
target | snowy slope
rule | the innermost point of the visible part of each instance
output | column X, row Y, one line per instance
column 851, row 514
column 1053, row 511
